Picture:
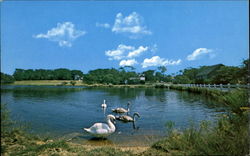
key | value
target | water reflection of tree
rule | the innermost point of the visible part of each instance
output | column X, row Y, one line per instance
column 132, row 93
column 123, row 93
column 192, row 98
column 157, row 94
column 42, row 92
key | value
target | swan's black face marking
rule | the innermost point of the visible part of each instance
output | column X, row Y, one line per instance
column 113, row 120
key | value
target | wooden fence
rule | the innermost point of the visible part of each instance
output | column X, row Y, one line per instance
column 217, row 86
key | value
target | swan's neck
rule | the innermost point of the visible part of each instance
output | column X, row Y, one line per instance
column 104, row 101
column 134, row 116
column 111, row 125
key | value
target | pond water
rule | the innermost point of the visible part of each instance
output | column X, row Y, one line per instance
column 62, row 112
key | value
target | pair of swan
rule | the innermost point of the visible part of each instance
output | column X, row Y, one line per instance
column 103, row 129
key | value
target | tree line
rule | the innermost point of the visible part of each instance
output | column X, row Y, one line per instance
column 215, row 74
column 5, row 78
column 43, row 74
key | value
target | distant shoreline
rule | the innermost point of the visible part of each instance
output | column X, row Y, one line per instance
column 78, row 83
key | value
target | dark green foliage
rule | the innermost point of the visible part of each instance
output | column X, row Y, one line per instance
column 225, row 75
column 5, row 78
column 149, row 75
column 72, row 83
column 42, row 74
column 111, row 76
column 76, row 74
column 6, row 123
column 216, row 74
column 62, row 74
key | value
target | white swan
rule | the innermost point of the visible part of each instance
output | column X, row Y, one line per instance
column 104, row 105
column 122, row 110
column 102, row 129
column 126, row 118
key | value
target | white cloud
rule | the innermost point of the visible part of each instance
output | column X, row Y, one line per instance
column 137, row 52
column 64, row 34
column 128, row 62
column 132, row 24
column 157, row 61
column 118, row 53
column 124, row 51
column 198, row 53
column 104, row 25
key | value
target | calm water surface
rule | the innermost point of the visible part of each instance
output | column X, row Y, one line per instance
column 62, row 112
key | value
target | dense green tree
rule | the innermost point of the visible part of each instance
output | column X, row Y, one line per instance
column 5, row 78
column 149, row 75
column 226, row 74
column 162, row 69
column 191, row 74
column 63, row 74
column 245, row 71
column 76, row 74
column 205, row 74
column 19, row 74
column 181, row 79
column 43, row 74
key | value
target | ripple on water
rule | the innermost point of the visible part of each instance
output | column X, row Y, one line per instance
column 62, row 112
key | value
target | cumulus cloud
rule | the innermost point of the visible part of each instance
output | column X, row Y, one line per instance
column 198, row 53
column 118, row 53
column 104, row 25
column 131, row 24
column 124, row 51
column 137, row 52
column 128, row 62
column 65, row 33
column 157, row 61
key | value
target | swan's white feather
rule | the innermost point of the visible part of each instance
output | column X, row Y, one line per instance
column 102, row 129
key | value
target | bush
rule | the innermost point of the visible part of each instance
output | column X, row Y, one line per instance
column 72, row 83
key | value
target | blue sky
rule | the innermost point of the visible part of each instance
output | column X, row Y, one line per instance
column 97, row 34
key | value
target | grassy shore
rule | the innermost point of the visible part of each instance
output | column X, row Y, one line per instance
column 46, row 82
column 228, row 136
column 76, row 83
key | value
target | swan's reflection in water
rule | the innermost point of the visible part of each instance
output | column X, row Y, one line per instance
column 104, row 113
column 136, row 128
